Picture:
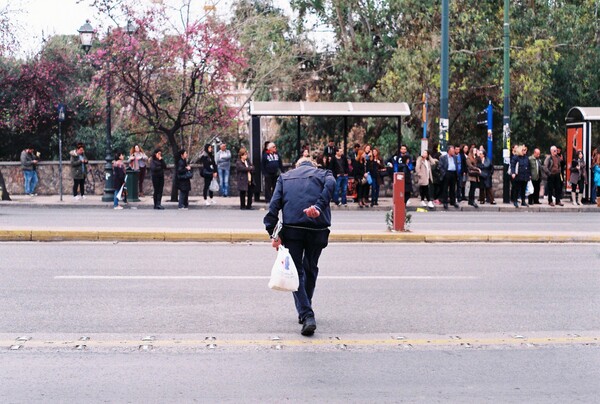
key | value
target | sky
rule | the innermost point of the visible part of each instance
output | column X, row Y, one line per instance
column 37, row 19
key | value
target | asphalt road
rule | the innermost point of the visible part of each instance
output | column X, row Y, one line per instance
column 343, row 221
column 144, row 322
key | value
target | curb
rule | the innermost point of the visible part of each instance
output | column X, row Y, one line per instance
column 243, row 237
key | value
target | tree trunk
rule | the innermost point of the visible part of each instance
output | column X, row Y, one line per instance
column 5, row 195
column 175, row 151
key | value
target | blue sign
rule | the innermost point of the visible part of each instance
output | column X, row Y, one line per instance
column 61, row 112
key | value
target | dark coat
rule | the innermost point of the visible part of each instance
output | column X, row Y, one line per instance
column 487, row 171
column 519, row 165
column 209, row 166
column 183, row 184
column 157, row 168
column 298, row 189
column 443, row 164
column 118, row 175
column 242, row 174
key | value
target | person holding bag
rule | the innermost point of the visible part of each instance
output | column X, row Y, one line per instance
column 303, row 195
column 521, row 173
column 208, row 171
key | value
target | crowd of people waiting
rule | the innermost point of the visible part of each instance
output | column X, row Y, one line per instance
column 441, row 178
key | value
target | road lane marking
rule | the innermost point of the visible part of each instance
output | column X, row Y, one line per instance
column 312, row 342
column 243, row 277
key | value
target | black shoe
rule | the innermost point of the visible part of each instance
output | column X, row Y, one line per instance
column 309, row 326
column 456, row 206
column 473, row 204
column 159, row 207
column 516, row 205
column 525, row 205
column 446, row 206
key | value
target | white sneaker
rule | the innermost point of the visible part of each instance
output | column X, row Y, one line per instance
column 118, row 207
column 423, row 203
column 76, row 197
column 430, row 204
column 83, row 197
column 574, row 203
column 212, row 201
column 207, row 202
column 408, row 202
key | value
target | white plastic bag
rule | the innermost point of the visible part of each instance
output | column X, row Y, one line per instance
column 529, row 189
column 284, row 275
column 214, row 185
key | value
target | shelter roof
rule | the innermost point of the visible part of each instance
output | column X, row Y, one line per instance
column 579, row 114
column 306, row 108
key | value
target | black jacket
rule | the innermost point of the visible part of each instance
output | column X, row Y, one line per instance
column 297, row 190
column 183, row 184
column 157, row 168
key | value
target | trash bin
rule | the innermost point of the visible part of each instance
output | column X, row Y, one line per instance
column 132, row 185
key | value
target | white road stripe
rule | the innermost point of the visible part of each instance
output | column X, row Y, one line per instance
column 216, row 277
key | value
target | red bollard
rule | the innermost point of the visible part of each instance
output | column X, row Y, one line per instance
column 399, row 206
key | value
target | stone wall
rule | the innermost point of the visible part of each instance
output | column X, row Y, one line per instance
column 48, row 173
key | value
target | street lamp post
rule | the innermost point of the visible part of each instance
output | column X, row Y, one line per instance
column 86, row 34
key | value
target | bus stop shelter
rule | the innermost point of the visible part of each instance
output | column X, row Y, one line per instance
column 341, row 110
column 579, row 137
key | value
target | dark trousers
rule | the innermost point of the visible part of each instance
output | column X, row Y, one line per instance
column 362, row 191
column 207, row 181
column 449, row 187
column 485, row 192
column 246, row 198
column 158, row 183
column 270, row 182
column 472, row 188
column 554, row 185
column 520, row 188
column 141, row 178
column 424, row 190
column 78, row 184
column 535, row 197
column 183, row 198
column 305, row 247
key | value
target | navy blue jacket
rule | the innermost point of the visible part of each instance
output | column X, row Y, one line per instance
column 443, row 164
column 297, row 190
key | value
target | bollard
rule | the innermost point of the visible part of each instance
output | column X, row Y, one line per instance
column 399, row 206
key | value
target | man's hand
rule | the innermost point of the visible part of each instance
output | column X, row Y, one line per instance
column 312, row 212
column 276, row 243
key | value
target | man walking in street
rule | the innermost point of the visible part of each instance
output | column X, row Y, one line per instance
column 303, row 195
column 552, row 166
column 448, row 171
column 28, row 163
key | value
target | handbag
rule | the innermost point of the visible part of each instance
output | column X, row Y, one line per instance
column 186, row 176
column 214, row 185
column 284, row 275
column 362, row 181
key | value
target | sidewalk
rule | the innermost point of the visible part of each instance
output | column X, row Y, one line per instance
column 253, row 232
column 196, row 202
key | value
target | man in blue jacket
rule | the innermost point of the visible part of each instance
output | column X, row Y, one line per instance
column 303, row 194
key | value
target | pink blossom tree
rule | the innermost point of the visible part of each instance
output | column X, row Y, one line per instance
column 145, row 71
